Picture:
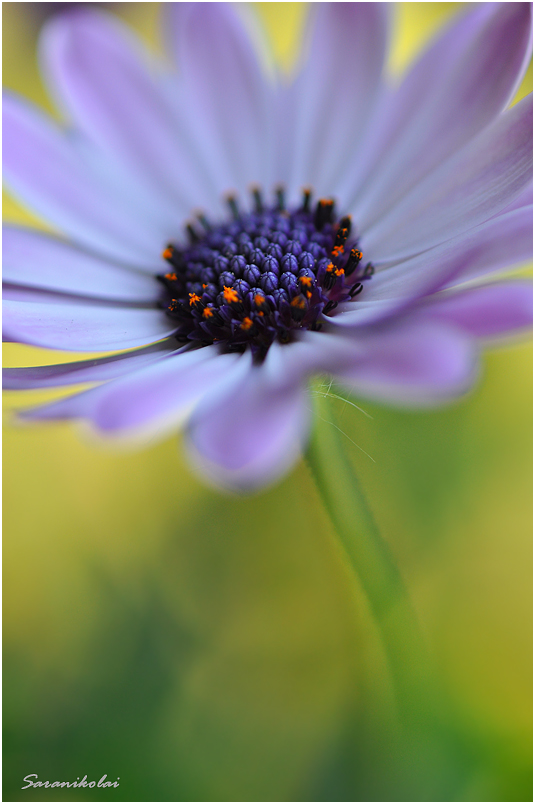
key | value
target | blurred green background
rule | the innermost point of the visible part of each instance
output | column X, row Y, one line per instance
column 203, row 647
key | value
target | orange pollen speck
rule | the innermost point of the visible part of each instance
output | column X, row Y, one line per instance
column 247, row 323
column 356, row 253
column 330, row 268
column 207, row 312
column 298, row 301
column 172, row 277
column 230, row 295
column 337, row 250
column 339, row 272
column 167, row 254
column 305, row 280
column 193, row 299
column 259, row 300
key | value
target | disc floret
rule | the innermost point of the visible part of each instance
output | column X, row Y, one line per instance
column 262, row 275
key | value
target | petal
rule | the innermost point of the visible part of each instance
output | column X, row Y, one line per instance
column 19, row 293
column 411, row 363
column 486, row 311
column 225, row 88
column 494, row 245
column 81, row 327
column 250, row 432
column 44, row 168
column 148, row 402
column 502, row 242
column 336, row 90
column 523, row 199
column 96, row 68
column 472, row 186
column 33, row 259
column 99, row 369
column 466, row 78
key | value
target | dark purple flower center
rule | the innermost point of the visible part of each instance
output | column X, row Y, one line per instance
column 262, row 275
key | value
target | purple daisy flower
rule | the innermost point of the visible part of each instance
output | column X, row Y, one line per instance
column 382, row 277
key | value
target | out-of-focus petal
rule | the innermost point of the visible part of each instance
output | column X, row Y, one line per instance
column 96, row 69
column 415, row 363
column 472, row 186
column 499, row 243
column 79, row 327
column 95, row 370
column 504, row 242
column 466, row 78
column 486, row 311
column 147, row 402
column 36, row 260
column 224, row 87
column 42, row 167
column 251, row 431
column 523, row 199
column 331, row 99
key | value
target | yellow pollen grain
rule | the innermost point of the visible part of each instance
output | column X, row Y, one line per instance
column 230, row 295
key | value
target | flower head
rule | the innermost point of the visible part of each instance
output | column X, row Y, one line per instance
column 219, row 318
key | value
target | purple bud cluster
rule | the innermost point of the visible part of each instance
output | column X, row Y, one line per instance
column 259, row 277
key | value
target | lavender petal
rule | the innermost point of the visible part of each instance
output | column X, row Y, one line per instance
column 466, row 78
column 39, row 261
column 472, row 186
column 252, row 431
column 83, row 327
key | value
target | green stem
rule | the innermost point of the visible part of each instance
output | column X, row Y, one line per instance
column 375, row 567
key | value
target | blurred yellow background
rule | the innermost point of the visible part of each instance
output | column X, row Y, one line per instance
column 213, row 648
